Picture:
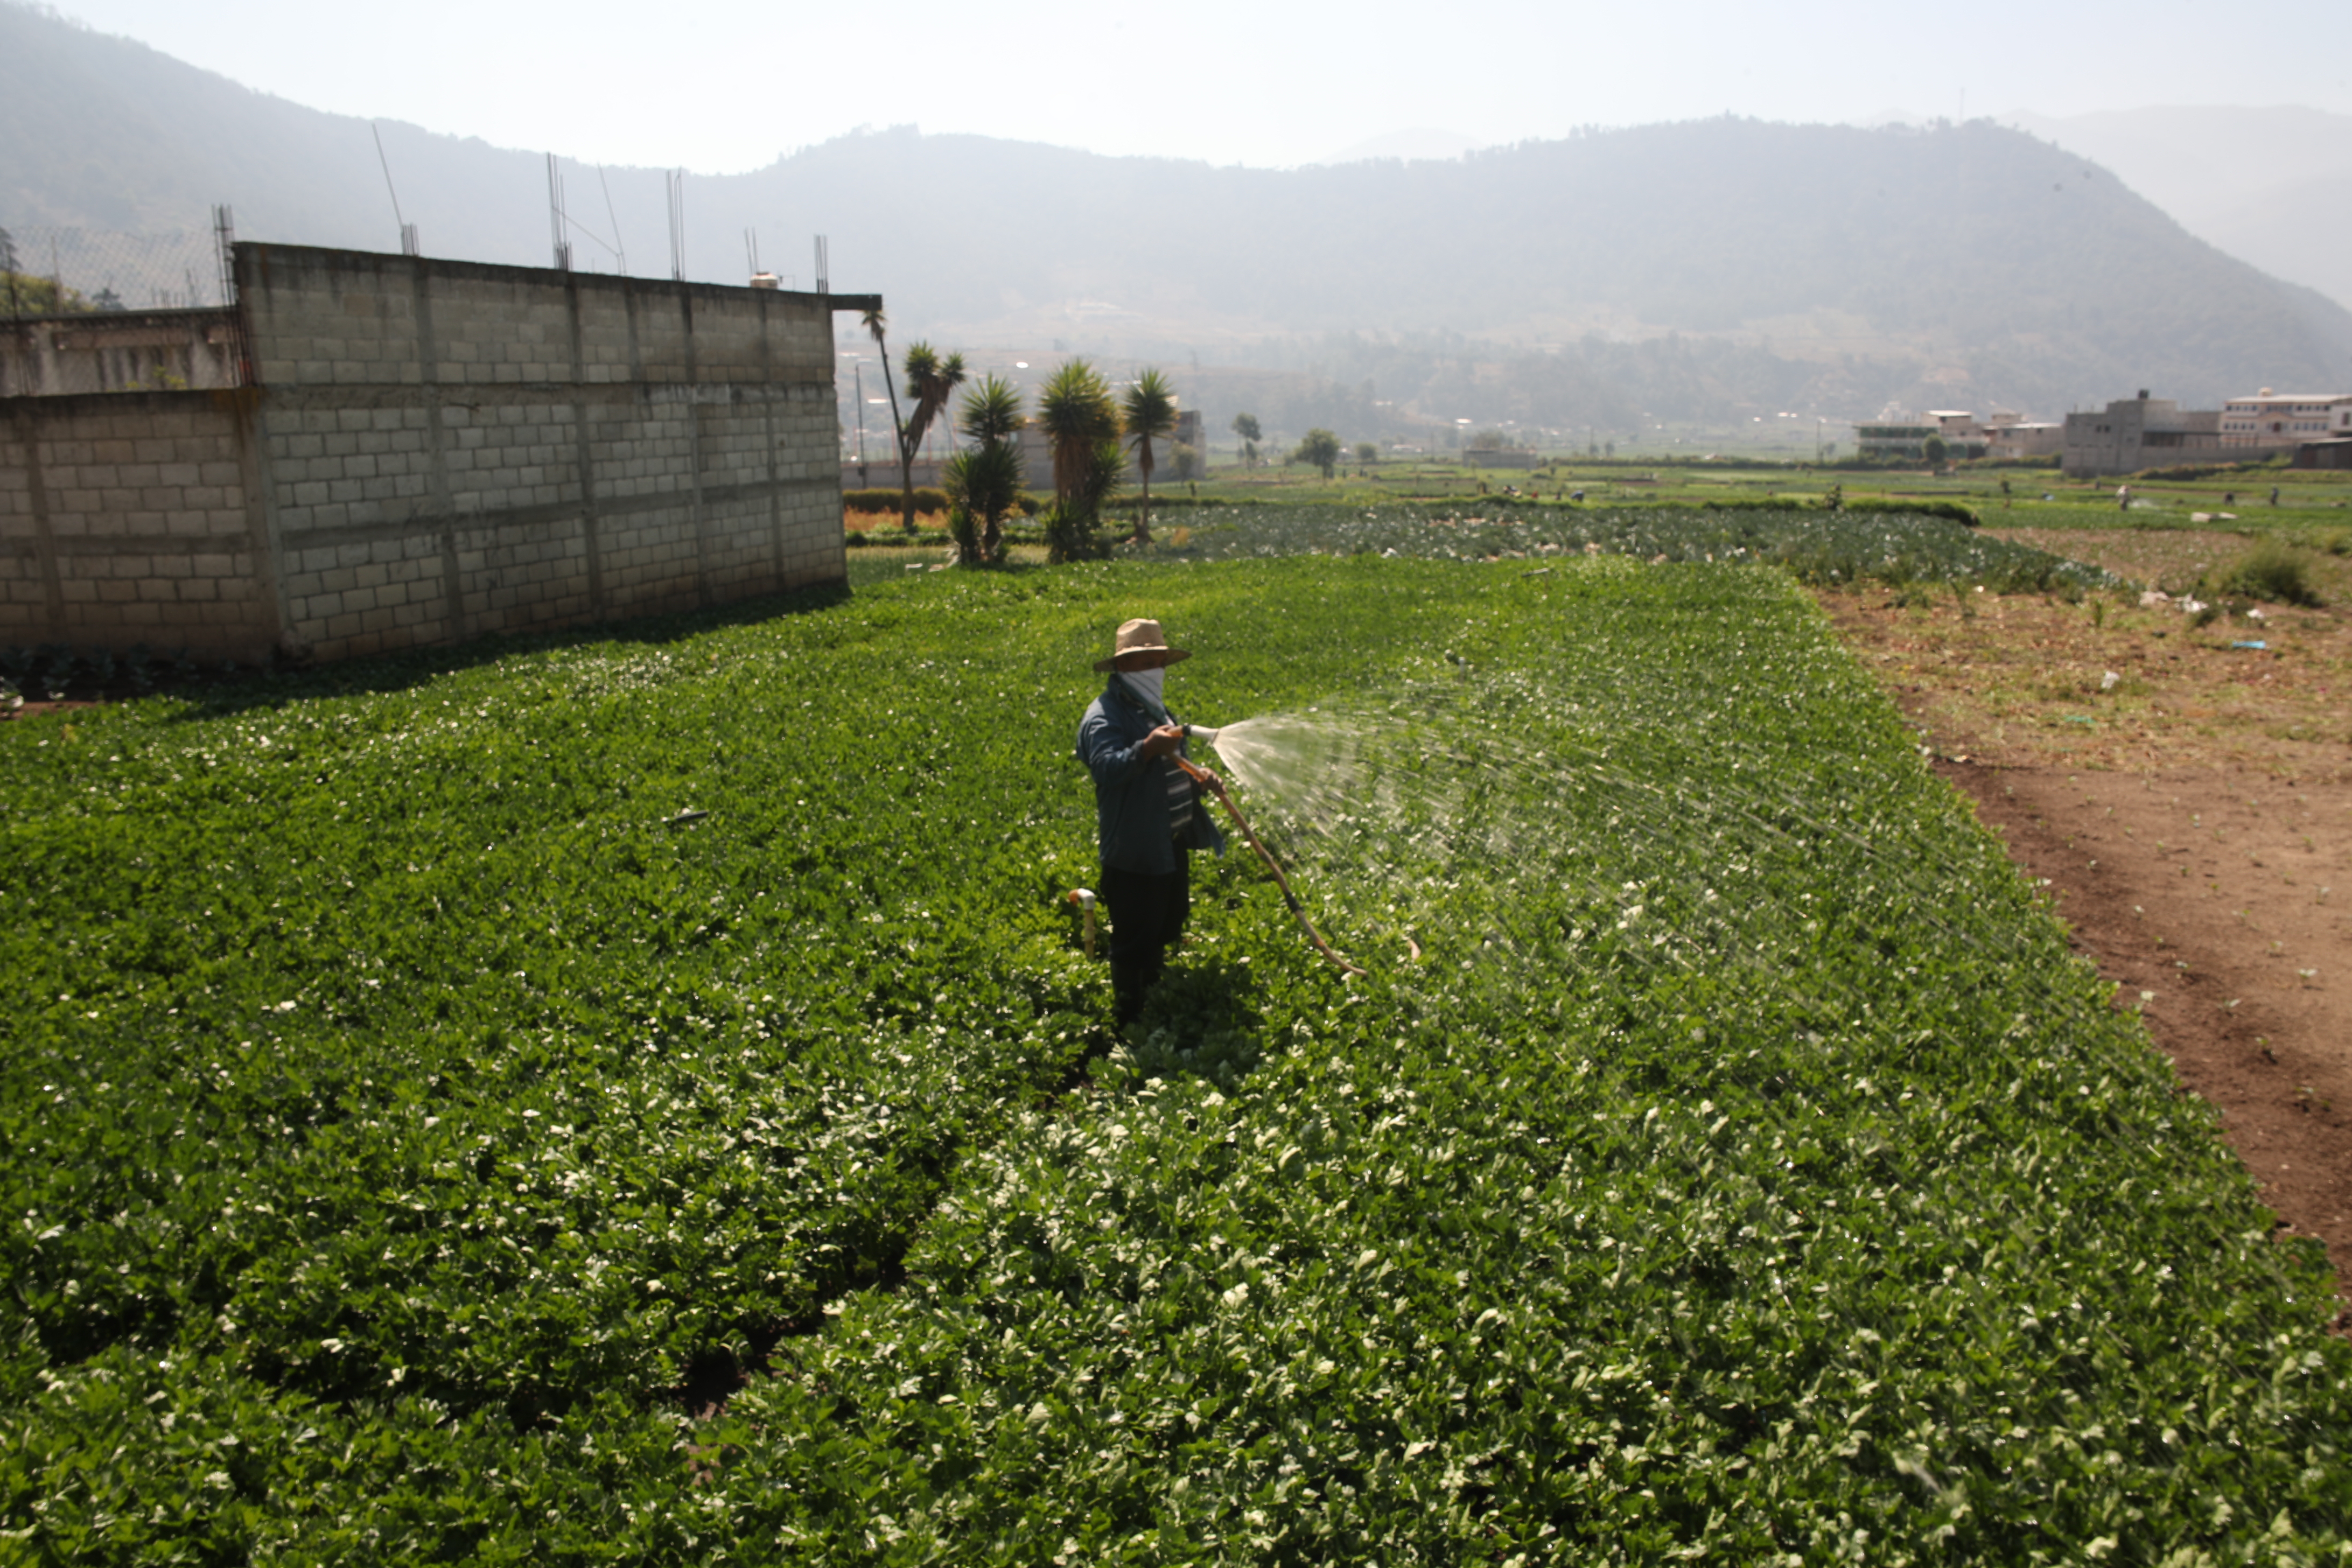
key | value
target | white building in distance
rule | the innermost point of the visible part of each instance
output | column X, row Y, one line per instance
column 2002, row 434
column 2283, row 419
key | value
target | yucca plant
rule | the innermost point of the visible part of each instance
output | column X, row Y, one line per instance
column 1149, row 407
column 1074, row 526
column 992, row 411
column 1077, row 414
column 1081, row 424
column 878, row 327
column 931, row 380
column 984, row 483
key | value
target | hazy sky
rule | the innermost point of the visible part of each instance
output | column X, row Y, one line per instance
column 724, row 85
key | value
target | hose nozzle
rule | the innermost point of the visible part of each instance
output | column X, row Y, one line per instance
column 1202, row 731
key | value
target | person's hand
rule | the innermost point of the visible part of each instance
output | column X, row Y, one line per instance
column 1163, row 741
column 1209, row 781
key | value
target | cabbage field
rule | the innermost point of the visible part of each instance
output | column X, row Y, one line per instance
column 1814, row 544
column 644, row 1100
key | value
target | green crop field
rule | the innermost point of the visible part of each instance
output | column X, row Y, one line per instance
column 1816, row 545
column 428, row 1083
column 2315, row 506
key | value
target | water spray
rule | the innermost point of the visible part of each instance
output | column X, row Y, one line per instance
column 1217, row 786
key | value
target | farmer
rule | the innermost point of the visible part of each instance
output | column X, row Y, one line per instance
column 1149, row 815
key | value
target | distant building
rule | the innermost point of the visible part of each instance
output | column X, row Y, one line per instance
column 2283, row 419
column 2146, row 432
column 1962, row 435
column 2002, row 434
column 1893, row 439
column 2137, row 433
column 2013, row 436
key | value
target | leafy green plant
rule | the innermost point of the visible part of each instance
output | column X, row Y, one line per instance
column 2272, row 571
column 1849, row 545
column 436, row 1084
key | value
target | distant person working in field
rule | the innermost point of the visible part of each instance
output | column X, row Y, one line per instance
column 1149, row 816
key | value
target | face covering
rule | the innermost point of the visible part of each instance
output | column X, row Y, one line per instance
column 1145, row 684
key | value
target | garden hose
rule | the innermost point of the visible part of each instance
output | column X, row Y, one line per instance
column 1217, row 786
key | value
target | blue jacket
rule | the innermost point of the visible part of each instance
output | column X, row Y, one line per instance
column 1131, row 790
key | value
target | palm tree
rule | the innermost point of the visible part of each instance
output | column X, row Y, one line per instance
column 930, row 382
column 1150, row 406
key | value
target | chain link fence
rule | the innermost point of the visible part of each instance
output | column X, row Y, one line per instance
column 66, row 271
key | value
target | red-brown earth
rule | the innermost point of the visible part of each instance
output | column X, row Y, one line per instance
column 2192, row 817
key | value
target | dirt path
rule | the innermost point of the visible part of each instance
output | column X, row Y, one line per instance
column 2192, row 816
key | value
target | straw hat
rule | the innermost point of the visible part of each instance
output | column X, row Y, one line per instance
column 1140, row 637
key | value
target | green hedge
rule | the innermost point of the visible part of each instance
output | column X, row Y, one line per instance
column 1947, row 509
column 897, row 537
column 2212, row 470
column 927, row 498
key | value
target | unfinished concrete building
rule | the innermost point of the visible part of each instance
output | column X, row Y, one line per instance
column 117, row 351
column 2137, row 433
column 418, row 451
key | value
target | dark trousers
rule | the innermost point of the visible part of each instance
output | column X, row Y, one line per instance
column 1147, row 915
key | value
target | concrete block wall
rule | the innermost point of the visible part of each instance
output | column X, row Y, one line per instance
column 117, row 351
column 126, row 518
column 434, row 450
column 453, row 450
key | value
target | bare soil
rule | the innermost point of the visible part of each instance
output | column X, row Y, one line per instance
column 2192, row 816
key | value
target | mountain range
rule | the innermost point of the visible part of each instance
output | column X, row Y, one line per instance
column 1701, row 270
column 2273, row 186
